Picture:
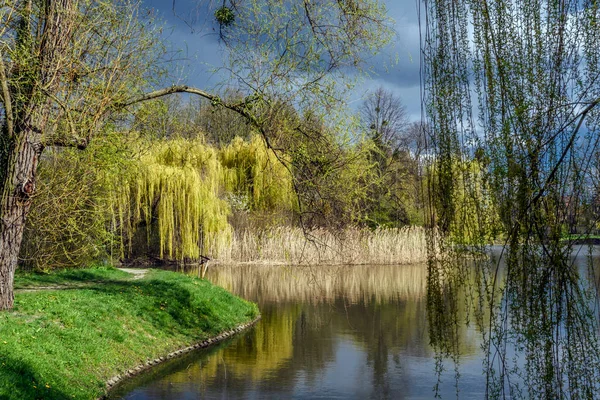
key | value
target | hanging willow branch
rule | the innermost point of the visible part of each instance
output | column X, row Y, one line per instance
column 515, row 85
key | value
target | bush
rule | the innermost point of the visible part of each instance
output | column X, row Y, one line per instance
column 70, row 220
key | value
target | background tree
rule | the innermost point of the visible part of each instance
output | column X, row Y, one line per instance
column 415, row 140
column 386, row 120
column 329, row 173
column 175, row 116
column 169, row 117
column 222, row 125
column 392, row 199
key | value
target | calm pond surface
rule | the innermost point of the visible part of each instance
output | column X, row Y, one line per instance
column 355, row 332
column 326, row 332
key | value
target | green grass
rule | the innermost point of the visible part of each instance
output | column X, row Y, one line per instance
column 576, row 236
column 68, row 277
column 65, row 344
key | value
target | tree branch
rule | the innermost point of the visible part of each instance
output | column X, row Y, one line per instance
column 581, row 116
column 170, row 90
column 66, row 141
column 66, row 111
column 6, row 98
column 240, row 108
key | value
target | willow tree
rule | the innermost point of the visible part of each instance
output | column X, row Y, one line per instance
column 516, row 84
column 287, row 59
column 67, row 65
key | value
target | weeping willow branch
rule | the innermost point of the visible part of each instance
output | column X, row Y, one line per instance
column 533, row 67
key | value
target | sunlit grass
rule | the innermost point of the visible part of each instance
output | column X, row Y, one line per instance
column 26, row 279
column 58, row 344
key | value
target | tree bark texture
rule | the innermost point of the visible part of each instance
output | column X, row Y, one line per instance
column 30, row 102
column 19, row 187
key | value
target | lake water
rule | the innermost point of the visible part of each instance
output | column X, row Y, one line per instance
column 355, row 332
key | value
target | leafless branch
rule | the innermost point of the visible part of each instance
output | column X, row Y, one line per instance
column 6, row 98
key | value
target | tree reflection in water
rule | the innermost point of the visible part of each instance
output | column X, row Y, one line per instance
column 347, row 332
column 536, row 311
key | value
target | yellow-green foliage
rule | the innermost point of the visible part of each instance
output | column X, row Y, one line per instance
column 69, row 222
column 179, row 190
column 253, row 170
column 475, row 216
column 178, row 184
column 476, row 213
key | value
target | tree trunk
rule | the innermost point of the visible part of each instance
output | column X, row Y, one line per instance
column 19, row 187
column 35, row 85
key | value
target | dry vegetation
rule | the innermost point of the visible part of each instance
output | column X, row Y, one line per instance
column 293, row 246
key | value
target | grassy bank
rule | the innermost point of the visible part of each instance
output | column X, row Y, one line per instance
column 66, row 343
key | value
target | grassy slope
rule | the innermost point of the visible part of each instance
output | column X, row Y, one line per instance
column 59, row 344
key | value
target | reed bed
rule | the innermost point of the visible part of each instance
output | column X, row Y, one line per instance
column 294, row 246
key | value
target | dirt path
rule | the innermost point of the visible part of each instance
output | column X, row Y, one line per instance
column 138, row 273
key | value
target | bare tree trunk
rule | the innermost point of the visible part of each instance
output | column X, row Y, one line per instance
column 19, row 186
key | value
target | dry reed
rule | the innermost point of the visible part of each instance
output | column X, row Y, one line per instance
column 293, row 246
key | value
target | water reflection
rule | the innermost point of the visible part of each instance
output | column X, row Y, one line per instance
column 537, row 313
column 267, row 284
column 328, row 332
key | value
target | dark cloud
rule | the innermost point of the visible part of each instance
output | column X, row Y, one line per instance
column 405, row 49
column 191, row 41
column 190, row 35
column 397, row 68
column 403, row 72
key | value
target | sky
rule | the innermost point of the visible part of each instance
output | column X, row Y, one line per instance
column 200, row 52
